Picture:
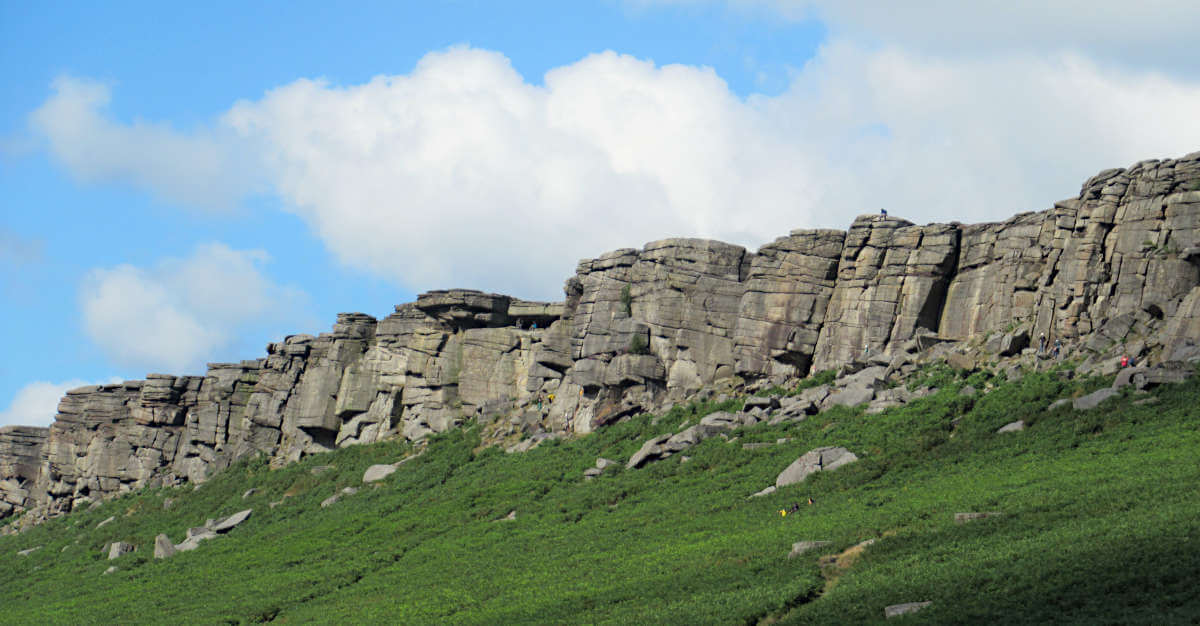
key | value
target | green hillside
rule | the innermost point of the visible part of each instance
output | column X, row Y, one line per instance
column 1100, row 524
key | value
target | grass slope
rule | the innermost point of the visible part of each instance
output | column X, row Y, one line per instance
column 1100, row 526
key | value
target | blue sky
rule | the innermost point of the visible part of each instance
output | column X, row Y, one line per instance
column 184, row 183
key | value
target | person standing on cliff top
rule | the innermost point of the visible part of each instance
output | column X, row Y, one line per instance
column 1042, row 344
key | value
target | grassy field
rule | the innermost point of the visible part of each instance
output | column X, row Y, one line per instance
column 1099, row 526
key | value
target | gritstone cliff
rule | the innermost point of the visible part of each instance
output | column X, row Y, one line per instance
column 642, row 328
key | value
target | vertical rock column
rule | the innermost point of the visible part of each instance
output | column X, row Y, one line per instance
column 783, row 306
column 892, row 279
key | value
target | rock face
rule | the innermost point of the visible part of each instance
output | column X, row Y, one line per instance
column 641, row 328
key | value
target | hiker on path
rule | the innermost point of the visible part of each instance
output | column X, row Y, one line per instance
column 1124, row 361
column 1058, row 349
column 866, row 350
column 1042, row 344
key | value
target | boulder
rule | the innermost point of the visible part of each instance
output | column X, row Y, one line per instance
column 1167, row 373
column 227, row 524
column 767, row 404
column 330, row 501
column 962, row 518
column 1013, row 343
column 377, row 473
column 1012, row 427
column 960, row 362
column 903, row 609
column 1093, row 400
column 820, row 459
column 851, row 397
column 163, row 547
column 650, row 451
column 118, row 548
column 800, row 547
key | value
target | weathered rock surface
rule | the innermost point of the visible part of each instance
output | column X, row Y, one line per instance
column 117, row 548
column 228, row 524
column 377, row 473
column 163, row 548
column 818, row 460
column 1012, row 427
column 962, row 518
column 800, row 547
column 903, row 609
column 1093, row 400
column 1115, row 268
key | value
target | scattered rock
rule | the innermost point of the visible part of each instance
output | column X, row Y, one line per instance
column 29, row 551
column 377, row 472
column 820, row 459
column 1058, row 403
column 800, row 547
column 111, row 569
column 1012, row 427
column 901, row 609
column 276, row 503
column 1013, row 343
column 960, row 362
column 330, row 501
column 767, row 404
column 512, row 516
column 684, row 459
column 650, row 451
column 765, row 492
column 755, row 446
column 962, row 518
column 349, row 491
column 118, row 548
column 249, row 492
column 1145, row 401
column 320, row 469
column 105, row 522
column 851, row 397
column 968, row 391
column 163, row 547
column 168, row 503
column 227, row 524
column 1093, row 400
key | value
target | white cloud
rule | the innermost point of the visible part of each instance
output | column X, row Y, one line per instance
column 462, row 173
column 180, row 313
column 36, row 404
column 207, row 168
column 1156, row 34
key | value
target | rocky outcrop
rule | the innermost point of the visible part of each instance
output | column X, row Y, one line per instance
column 1117, row 265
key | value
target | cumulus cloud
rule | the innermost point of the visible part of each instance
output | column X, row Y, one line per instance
column 1153, row 34
column 36, row 404
column 181, row 313
column 464, row 173
column 207, row 168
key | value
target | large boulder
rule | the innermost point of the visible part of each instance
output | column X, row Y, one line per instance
column 116, row 549
column 650, row 451
column 163, row 547
column 1093, row 400
column 378, row 472
column 820, row 459
column 227, row 524
column 851, row 397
